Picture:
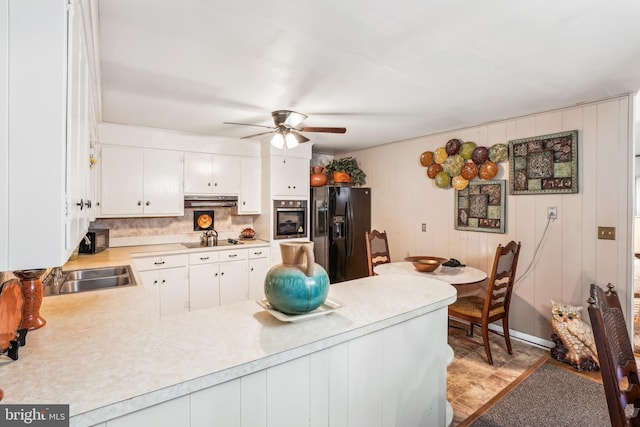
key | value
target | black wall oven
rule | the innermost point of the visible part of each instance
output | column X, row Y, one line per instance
column 289, row 219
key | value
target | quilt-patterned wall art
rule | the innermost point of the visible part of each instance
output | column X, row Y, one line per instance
column 481, row 207
column 544, row 164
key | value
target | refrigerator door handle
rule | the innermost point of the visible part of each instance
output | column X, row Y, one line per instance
column 349, row 229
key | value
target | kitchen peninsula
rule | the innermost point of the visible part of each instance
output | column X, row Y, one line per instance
column 380, row 359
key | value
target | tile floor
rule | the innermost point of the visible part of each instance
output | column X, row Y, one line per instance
column 472, row 382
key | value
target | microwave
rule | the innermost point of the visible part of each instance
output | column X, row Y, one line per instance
column 95, row 241
column 289, row 219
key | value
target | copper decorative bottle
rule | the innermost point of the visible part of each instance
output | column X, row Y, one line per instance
column 32, row 292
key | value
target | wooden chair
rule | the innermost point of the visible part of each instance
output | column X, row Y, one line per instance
column 494, row 305
column 617, row 362
column 377, row 249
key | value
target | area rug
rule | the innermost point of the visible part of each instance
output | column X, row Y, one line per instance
column 551, row 395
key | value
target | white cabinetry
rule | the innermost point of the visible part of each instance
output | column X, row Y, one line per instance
column 217, row 278
column 258, row 268
column 289, row 176
column 204, row 280
column 45, row 153
column 249, row 201
column 140, row 182
column 234, row 284
column 207, row 174
column 168, row 279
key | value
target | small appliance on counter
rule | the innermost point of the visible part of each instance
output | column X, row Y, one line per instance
column 96, row 240
column 209, row 238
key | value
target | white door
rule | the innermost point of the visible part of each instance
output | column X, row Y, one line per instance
column 121, row 180
column 249, row 201
column 174, row 290
column 234, row 285
column 198, row 173
column 204, row 286
column 163, row 190
column 258, row 268
column 226, row 174
column 290, row 176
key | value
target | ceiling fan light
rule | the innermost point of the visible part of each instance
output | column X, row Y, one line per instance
column 278, row 140
column 291, row 140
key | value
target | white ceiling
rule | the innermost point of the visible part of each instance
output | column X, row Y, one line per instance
column 385, row 70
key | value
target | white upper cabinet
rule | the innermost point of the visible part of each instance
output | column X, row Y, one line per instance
column 211, row 174
column 47, row 121
column 249, row 201
column 289, row 176
column 140, row 182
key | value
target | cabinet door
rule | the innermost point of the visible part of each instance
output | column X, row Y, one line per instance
column 249, row 201
column 122, row 180
column 204, row 286
column 198, row 173
column 77, row 188
column 226, row 178
column 258, row 268
column 163, row 189
column 174, row 291
column 233, row 282
column 289, row 176
column 171, row 288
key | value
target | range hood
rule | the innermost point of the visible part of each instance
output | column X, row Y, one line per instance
column 210, row 201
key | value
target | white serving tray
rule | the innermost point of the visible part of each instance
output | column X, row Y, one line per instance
column 328, row 307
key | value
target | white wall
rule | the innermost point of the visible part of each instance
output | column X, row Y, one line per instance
column 570, row 258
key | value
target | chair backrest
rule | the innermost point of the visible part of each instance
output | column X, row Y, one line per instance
column 501, row 280
column 617, row 362
column 377, row 249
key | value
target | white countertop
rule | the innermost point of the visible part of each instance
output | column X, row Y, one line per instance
column 108, row 353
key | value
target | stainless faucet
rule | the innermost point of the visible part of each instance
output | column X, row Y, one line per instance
column 54, row 280
column 87, row 240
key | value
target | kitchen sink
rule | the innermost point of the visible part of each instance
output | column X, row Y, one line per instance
column 91, row 279
column 96, row 273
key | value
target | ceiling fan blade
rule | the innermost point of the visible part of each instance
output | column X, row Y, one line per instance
column 287, row 117
column 257, row 134
column 247, row 124
column 323, row 129
column 299, row 138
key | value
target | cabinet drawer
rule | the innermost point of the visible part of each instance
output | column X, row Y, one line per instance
column 258, row 252
column 158, row 262
column 233, row 255
column 203, row 257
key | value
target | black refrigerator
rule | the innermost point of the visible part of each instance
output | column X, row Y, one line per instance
column 340, row 216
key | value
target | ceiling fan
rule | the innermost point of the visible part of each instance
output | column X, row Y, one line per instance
column 286, row 129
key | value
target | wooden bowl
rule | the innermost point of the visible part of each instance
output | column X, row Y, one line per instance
column 425, row 264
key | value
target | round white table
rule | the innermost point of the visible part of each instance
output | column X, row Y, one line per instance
column 452, row 275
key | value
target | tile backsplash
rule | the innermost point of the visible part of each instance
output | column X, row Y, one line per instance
column 132, row 231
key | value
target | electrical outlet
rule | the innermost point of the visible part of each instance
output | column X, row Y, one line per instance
column 552, row 213
column 424, row 227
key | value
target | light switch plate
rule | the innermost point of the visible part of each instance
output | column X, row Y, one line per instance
column 607, row 233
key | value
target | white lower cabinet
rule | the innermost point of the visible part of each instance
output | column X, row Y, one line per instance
column 234, row 282
column 168, row 279
column 204, row 279
column 258, row 268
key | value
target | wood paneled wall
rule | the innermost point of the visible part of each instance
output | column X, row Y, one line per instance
column 570, row 257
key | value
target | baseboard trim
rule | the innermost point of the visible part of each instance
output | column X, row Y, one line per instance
column 526, row 338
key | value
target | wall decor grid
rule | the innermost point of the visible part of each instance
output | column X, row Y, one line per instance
column 481, row 207
column 544, row 164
